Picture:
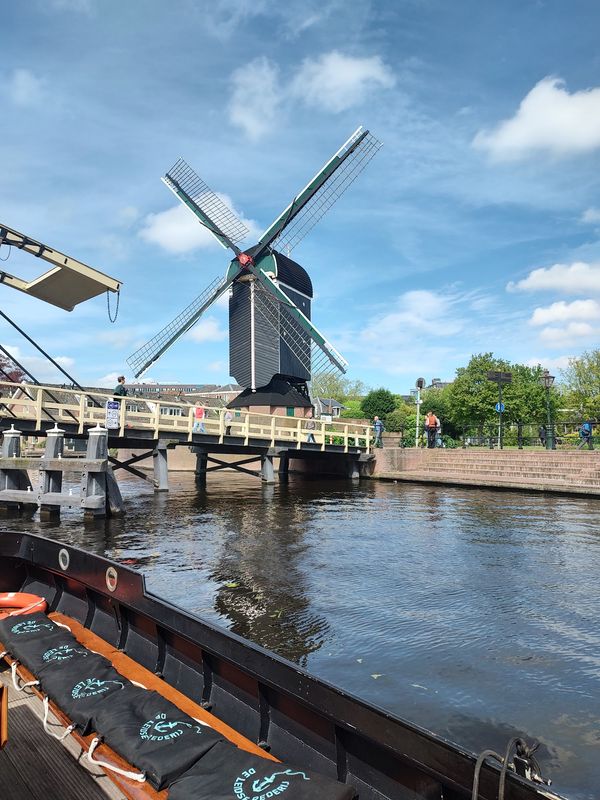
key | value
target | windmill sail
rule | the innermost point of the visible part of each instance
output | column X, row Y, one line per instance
column 306, row 342
column 150, row 352
column 208, row 207
column 317, row 197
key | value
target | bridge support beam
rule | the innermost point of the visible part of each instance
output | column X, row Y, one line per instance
column 201, row 467
column 161, row 467
column 353, row 469
column 284, row 466
column 267, row 472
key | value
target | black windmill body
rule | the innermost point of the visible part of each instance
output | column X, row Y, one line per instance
column 273, row 344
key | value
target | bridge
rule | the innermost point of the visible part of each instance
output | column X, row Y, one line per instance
column 156, row 426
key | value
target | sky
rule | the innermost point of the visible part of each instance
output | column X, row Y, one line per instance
column 475, row 228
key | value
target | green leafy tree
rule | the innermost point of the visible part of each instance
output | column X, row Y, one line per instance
column 379, row 402
column 337, row 386
column 397, row 419
column 471, row 396
column 582, row 383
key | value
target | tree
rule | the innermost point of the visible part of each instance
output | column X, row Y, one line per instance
column 582, row 383
column 337, row 387
column 397, row 419
column 378, row 402
column 471, row 396
column 9, row 370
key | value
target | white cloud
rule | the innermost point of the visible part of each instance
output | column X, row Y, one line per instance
column 577, row 278
column 332, row 82
column 563, row 312
column 40, row 367
column 208, row 329
column 256, row 97
column 591, row 215
column 549, row 120
column 178, row 231
column 416, row 313
column 335, row 82
column 108, row 381
column 24, row 88
column 560, row 362
column 575, row 333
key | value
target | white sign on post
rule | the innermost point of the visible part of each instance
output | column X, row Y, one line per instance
column 113, row 413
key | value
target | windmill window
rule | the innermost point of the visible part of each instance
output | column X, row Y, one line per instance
column 289, row 412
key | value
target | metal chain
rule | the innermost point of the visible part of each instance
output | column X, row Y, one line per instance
column 111, row 318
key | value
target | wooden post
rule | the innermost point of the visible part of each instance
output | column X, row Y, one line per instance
column 266, row 468
column 161, row 467
column 284, row 465
column 201, row 464
column 52, row 478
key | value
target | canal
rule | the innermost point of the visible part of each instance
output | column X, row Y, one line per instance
column 470, row 612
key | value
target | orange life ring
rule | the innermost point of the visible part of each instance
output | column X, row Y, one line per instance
column 21, row 603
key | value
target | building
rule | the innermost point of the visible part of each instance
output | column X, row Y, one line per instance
column 327, row 407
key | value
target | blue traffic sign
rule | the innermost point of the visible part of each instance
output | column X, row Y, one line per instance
column 500, row 408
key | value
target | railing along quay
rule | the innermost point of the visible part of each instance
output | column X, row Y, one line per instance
column 38, row 404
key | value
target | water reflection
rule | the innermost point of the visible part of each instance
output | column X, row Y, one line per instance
column 471, row 613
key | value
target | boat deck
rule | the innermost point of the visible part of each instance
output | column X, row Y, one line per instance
column 33, row 766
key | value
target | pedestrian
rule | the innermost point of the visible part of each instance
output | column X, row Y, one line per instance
column 542, row 435
column 432, row 426
column 228, row 421
column 585, row 434
column 120, row 390
column 378, row 429
column 310, row 425
column 198, row 426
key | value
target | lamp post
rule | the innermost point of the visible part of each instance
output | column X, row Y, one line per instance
column 547, row 380
column 420, row 384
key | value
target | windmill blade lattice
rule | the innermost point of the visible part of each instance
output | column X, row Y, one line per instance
column 331, row 191
column 150, row 352
column 182, row 177
column 315, row 360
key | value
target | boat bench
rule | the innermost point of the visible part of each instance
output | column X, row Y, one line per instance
column 150, row 739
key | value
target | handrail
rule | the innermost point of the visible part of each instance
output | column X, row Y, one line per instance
column 30, row 402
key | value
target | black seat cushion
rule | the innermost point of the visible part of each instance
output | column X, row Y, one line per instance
column 80, row 686
column 28, row 637
column 228, row 773
column 152, row 734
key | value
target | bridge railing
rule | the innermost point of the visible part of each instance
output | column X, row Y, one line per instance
column 48, row 404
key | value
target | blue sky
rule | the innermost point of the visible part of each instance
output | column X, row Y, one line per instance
column 475, row 228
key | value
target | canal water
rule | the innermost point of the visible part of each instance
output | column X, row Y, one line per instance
column 470, row 612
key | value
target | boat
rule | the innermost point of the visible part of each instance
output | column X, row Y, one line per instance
column 262, row 704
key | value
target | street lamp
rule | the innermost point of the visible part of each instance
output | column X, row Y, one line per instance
column 420, row 384
column 547, row 380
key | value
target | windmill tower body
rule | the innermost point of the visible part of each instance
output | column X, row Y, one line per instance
column 256, row 355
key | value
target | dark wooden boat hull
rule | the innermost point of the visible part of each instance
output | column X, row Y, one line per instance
column 299, row 718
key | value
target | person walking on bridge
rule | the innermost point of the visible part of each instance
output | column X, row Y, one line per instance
column 120, row 390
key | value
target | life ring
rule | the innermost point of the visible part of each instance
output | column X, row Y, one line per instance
column 21, row 603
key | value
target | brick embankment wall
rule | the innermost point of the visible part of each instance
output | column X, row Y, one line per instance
column 571, row 472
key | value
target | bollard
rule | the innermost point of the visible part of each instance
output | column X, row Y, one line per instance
column 51, row 478
column 93, row 484
column 13, row 478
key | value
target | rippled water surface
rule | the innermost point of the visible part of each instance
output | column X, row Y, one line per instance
column 472, row 613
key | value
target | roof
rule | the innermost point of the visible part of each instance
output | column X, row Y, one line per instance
column 277, row 392
column 292, row 274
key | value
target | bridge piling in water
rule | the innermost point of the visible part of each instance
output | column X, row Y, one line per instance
column 51, row 483
column 12, row 479
column 160, row 461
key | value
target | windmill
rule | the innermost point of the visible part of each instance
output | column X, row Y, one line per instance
column 272, row 340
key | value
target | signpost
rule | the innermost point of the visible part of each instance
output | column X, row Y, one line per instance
column 113, row 413
column 500, row 378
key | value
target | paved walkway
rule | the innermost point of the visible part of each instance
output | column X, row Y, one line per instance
column 570, row 472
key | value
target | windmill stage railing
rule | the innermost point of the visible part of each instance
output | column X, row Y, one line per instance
column 47, row 405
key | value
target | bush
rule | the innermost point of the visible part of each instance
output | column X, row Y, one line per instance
column 378, row 403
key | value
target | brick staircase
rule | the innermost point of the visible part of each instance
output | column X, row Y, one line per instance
column 576, row 472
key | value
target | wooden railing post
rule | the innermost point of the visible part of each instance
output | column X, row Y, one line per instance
column 273, row 419
column 299, row 433
column 345, row 438
column 38, row 407
column 246, row 428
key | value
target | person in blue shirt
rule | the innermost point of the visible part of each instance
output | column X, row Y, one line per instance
column 585, row 434
column 378, row 429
